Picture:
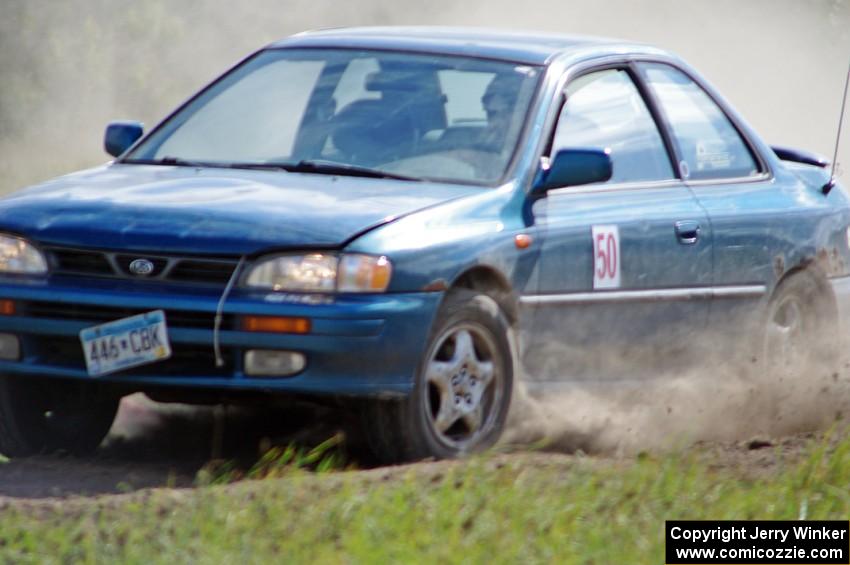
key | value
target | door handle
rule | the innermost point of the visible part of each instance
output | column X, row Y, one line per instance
column 687, row 231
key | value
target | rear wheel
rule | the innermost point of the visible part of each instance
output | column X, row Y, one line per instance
column 800, row 351
column 45, row 415
column 462, row 391
column 800, row 333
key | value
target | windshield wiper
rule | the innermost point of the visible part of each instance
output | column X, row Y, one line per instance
column 260, row 166
column 325, row 168
column 171, row 161
column 305, row 166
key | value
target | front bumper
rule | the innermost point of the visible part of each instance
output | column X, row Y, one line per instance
column 359, row 345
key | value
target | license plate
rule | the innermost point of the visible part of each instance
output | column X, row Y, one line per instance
column 126, row 343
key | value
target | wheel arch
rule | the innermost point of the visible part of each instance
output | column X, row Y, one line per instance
column 826, row 293
column 812, row 269
column 490, row 281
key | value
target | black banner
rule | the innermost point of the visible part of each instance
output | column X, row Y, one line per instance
column 764, row 542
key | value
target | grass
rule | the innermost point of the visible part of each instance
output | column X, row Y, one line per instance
column 529, row 508
column 276, row 462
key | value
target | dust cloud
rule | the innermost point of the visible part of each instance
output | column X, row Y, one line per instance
column 67, row 68
column 675, row 411
column 711, row 396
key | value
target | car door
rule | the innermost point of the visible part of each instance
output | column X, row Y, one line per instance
column 752, row 218
column 624, row 265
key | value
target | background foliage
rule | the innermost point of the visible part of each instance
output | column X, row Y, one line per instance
column 67, row 68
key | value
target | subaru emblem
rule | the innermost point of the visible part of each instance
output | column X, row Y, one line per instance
column 141, row 267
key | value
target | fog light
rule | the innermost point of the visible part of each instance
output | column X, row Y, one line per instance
column 273, row 363
column 10, row 347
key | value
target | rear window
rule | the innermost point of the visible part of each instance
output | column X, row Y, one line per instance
column 709, row 144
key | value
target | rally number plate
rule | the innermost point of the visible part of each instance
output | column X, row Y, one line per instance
column 126, row 343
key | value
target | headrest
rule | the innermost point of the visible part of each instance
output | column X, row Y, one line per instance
column 506, row 84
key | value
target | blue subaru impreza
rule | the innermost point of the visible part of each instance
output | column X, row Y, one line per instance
column 409, row 220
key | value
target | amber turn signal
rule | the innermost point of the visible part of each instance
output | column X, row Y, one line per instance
column 276, row 324
column 522, row 241
column 7, row 308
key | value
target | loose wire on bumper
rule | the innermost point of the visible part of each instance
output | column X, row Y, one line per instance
column 219, row 312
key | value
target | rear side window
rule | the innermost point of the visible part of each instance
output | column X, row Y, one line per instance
column 709, row 145
column 605, row 110
column 463, row 92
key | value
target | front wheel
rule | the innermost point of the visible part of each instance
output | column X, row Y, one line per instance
column 462, row 390
column 46, row 415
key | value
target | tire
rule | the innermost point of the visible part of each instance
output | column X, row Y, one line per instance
column 45, row 415
column 800, row 333
column 462, row 389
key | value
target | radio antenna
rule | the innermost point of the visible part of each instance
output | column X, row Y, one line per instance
column 831, row 184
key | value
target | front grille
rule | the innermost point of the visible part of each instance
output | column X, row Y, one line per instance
column 167, row 268
column 102, row 314
column 83, row 262
column 186, row 360
column 191, row 270
column 123, row 263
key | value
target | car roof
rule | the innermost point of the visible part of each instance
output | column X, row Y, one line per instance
column 518, row 46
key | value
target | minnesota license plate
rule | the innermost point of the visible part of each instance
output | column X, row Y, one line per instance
column 126, row 343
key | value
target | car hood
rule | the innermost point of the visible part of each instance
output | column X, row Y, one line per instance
column 211, row 211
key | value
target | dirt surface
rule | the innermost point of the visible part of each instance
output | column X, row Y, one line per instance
column 164, row 446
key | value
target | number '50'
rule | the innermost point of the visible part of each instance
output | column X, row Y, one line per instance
column 606, row 255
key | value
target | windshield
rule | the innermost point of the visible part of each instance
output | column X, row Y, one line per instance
column 407, row 115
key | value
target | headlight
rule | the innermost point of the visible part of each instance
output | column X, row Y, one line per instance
column 20, row 257
column 321, row 272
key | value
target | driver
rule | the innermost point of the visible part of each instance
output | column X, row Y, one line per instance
column 499, row 100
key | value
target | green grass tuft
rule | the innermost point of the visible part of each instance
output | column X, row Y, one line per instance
column 277, row 462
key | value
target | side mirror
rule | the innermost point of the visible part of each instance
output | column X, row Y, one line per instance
column 574, row 167
column 120, row 136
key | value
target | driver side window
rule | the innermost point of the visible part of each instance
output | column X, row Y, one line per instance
column 604, row 109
